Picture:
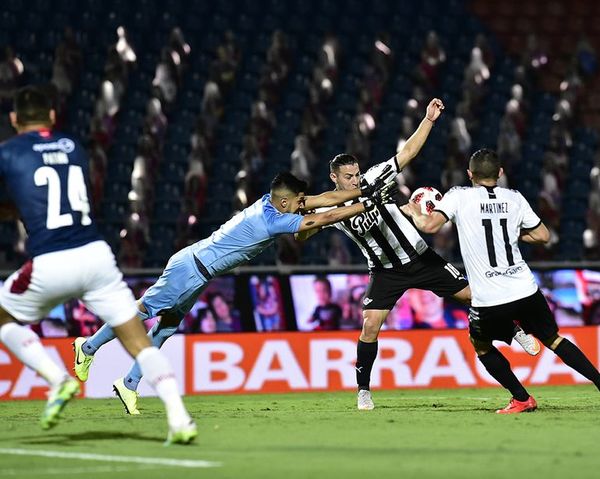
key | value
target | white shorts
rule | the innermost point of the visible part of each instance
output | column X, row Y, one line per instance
column 89, row 273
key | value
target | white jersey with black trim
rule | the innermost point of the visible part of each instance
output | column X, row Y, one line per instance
column 386, row 237
column 489, row 221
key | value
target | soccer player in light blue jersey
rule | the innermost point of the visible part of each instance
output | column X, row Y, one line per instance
column 240, row 239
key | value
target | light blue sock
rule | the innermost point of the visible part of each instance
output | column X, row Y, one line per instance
column 158, row 335
column 101, row 337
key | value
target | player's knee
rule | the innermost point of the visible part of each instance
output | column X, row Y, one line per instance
column 371, row 326
column 552, row 342
column 481, row 347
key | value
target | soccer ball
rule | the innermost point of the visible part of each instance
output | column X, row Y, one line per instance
column 427, row 198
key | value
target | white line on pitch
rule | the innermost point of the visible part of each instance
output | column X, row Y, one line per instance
column 157, row 461
column 74, row 470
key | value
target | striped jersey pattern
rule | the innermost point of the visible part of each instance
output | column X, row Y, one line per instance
column 385, row 235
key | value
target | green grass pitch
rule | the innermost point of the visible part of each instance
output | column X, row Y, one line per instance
column 410, row 434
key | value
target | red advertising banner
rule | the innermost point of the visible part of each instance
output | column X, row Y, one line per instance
column 287, row 362
column 323, row 361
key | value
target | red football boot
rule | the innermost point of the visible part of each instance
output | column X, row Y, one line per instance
column 515, row 406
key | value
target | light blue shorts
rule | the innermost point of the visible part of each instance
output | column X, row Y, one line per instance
column 178, row 287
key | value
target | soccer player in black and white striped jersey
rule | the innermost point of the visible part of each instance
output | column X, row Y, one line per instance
column 398, row 258
column 491, row 221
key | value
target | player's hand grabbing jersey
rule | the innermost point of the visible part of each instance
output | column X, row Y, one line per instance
column 384, row 235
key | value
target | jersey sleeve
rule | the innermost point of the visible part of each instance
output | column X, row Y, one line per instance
column 373, row 173
column 529, row 220
column 448, row 205
column 282, row 223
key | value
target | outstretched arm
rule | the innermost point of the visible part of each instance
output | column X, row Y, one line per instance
column 330, row 198
column 425, row 223
column 414, row 144
column 384, row 181
column 318, row 220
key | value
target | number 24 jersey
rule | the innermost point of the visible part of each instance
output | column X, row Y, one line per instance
column 46, row 174
column 489, row 221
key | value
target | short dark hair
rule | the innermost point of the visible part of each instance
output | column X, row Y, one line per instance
column 341, row 160
column 32, row 104
column 324, row 280
column 285, row 180
column 485, row 164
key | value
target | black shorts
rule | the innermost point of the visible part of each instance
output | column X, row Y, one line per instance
column 498, row 322
column 430, row 272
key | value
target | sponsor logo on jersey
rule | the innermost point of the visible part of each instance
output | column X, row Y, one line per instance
column 367, row 301
column 63, row 144
column 509, row 272
column 364, row 222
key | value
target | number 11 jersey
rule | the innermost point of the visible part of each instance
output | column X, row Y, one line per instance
column 46, row 173
column 489, row 221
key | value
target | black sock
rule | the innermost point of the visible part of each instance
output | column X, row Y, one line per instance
column 573, row 357
column 499, row 367
column 365, row 357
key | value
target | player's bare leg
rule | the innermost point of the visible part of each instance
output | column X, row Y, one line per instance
column 26, row 346
column 366, row 352
column 527, row 341
column 499, row 368
column 573, row 357
column 159, row 374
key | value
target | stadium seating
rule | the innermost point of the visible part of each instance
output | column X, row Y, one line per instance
column 36, row 31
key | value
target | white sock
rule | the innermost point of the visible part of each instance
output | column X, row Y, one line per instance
column 158, row 372
column 26, row 346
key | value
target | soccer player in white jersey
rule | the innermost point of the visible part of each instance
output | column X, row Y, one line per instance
column 240, row 239
column 45, row 172
column 397, row 256
column 490, row 221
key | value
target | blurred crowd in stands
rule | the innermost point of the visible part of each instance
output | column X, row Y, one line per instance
column 492, row 100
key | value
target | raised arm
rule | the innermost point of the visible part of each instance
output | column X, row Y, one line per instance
column 414, row 144
column 425, row 223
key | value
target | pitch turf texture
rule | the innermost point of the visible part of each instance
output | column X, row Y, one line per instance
column 420, row 434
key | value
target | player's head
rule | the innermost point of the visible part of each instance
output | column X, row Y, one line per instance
column 287, row 192
column 344, row 172
column 32, row 107
column 322, row 288
column 484, row 166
